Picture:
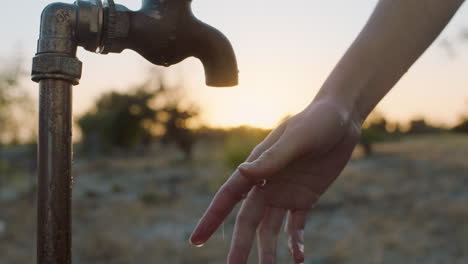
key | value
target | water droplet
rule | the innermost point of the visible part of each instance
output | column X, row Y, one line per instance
column 262, row 183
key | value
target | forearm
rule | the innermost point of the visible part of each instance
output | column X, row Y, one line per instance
column 397, row 33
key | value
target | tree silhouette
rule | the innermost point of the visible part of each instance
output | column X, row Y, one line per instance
column 126, row 120
column 15, row 106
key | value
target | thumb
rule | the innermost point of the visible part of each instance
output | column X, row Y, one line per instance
column 271, row 161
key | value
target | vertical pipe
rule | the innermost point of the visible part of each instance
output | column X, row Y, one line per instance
column 54, row 166
column 56, row 68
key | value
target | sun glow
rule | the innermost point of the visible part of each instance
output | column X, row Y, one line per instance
column 282, row 65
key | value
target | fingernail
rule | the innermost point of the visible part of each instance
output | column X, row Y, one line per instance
column 299, row 259
column 196, row 243
column 193, row 241
column 199, row 245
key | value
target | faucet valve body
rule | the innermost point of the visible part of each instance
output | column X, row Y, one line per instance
column 116, row 27
column 101, row 24
column 89, row 26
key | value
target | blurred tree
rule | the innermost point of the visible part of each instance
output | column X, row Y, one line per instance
column 177, row 129
column 377, row 129
column 17, row 124
column 420, row 126
column 127, row 120
column 372, row 131
column 9, row 98
column 462, row 126
column 239, row 143
column 236, row 145
column 117, row 121
column 16, row 106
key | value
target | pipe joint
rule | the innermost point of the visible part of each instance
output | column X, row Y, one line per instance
column 56, row 66
column 55, row 58
column 116, row 28
column 57, row 29
column 90, row 24
column 102, row 27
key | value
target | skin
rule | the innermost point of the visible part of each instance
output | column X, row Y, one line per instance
column 287, row 173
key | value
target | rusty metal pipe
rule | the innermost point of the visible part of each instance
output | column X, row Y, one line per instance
column 54, row 180
column 56, row 68
column 164, row 31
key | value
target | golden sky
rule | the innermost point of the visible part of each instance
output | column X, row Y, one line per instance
column 285, row 51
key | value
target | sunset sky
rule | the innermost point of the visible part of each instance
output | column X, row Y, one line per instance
column 285, row 51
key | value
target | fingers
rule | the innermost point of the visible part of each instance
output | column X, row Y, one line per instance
column 230, row 194
column 275, row 158
column 268, row 234
column 267, row 142
column 248, row 219
column 295, row 229
column 224, row 201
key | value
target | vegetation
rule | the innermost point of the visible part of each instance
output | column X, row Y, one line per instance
column 118, row 121
column 134, row 119
column 375, row 130
column 461, row 127
column 239, row 143
column 398, row 208
column 16, row 127
column 15, row 108
column 152, row 198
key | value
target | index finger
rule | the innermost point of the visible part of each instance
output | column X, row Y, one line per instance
column 232, row 191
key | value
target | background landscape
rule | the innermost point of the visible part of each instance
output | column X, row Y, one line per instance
column 152, row 145
column 143, row 176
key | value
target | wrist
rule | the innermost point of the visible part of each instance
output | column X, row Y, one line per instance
column 346, row 109
column 350, row 87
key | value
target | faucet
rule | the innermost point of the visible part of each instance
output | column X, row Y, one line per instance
column 164, row 32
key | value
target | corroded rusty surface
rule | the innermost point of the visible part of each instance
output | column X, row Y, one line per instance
column 54, row 182
column 164, row 32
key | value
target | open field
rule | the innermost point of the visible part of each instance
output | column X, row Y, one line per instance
column 406, row 204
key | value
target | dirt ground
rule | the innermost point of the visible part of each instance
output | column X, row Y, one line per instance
column 406, row 204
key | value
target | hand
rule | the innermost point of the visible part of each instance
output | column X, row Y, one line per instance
column 285, row 175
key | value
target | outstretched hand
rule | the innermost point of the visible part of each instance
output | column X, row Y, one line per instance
column 285, row 175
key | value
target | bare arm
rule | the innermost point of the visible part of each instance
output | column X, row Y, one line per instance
column 395, row 36
column 301, row 158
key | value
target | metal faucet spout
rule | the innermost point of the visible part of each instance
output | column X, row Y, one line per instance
column 217, row 55
column 166, row 32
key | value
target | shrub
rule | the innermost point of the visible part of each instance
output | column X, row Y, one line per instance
column 153, row 198
column 239, row 144
column 117, row 188
column 462, row 127
column 236, row 146
column 126, row 121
